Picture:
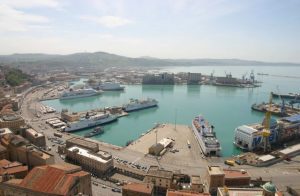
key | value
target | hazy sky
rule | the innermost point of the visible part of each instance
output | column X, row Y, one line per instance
column 267, row 30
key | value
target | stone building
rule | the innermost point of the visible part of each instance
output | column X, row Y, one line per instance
column 11, row 121
column 15, row 169
column 215, row 178
column 80, row 142
column 162, row 179
column 36, row 138
column 97, row 163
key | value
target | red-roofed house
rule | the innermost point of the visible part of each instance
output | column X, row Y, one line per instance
column 51, row 180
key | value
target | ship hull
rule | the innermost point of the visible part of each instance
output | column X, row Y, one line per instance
column 139, row 108
column 78, row 127
column 79, row 96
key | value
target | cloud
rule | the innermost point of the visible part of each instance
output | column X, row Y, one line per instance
column 31, row 3
column 108, row 21
column 15, row 20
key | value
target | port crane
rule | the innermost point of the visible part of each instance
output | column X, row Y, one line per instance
column 266, row 131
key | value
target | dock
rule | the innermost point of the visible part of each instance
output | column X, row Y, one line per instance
column 276, row 109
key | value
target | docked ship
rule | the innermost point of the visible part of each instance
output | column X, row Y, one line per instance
column 79, row 93
column 206, row 137
column 286, row 96
column 135, row 104
column 90, row 121
column 96, row 131
column 110, row 86
column 249, row 137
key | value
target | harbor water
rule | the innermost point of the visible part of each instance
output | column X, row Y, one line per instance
column 224, row 107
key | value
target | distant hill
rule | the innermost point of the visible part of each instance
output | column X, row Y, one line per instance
column 102, row 60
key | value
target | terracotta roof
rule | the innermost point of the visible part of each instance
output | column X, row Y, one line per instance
column 11, row 167
column 50, row 179
column 185, row 193
column 235, row 174
column 139, row 187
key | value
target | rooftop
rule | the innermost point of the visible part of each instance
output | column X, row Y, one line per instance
column 49, row 179
column 139, row 187
column 240, row 191
column 165, row 142
column 292, row 119
column 88, row 154
column 215, row 170
column 290, row 149
column 265, row 158
column 185, row 193
column 236, row 173
column 155, row 171
column 11, row 167
column 34, row 133
column 10, row 117
column 5, row 131
column 196, row 180
column 83, row 142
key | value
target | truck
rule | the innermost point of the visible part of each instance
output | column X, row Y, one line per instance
column 189, row 144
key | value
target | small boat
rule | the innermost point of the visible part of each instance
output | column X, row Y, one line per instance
column 96, row 131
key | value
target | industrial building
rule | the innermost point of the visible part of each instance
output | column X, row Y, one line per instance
column 83, row 143
column 97, row 163
column 65, row 179
column 194, row 78
column 160, row 147
column 161, row 78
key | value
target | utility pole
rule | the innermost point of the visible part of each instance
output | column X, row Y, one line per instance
column 175, row 118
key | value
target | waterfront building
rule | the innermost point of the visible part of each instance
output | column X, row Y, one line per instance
column 80, row 142
column 137, row 189
column 20, row 150
column 236, row 178
column 70, row 117
column 15, row 169
column 194, row 78
column 162, row 78
column 215, row 178
column 60, row 180
column 162, row 179
column 36, row 138
column 156, row 149
column 3, row 152
column 11, row 121
column 97, row 163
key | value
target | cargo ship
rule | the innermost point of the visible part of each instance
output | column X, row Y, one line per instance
column 90, row 121
column 206, row 136
column 135, row 104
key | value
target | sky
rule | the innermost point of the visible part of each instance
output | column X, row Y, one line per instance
column 265, row 30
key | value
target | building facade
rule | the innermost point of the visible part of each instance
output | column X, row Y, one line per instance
column 97, row 163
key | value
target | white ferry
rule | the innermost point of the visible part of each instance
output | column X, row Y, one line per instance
column 136, row 104
column 206, row 137
column 90, row 121
column 79, row 93
column 110, row 86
